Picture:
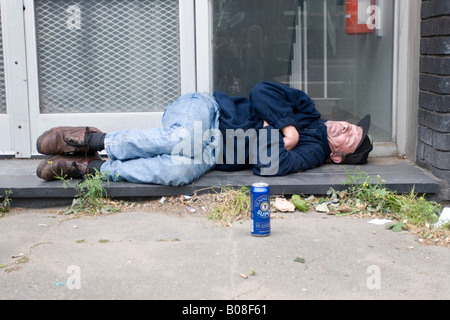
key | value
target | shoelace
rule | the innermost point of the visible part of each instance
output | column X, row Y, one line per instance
column 75, row 170
column 84, row 144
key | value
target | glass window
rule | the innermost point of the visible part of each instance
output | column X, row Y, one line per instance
column 108, row 55
column 339, row 52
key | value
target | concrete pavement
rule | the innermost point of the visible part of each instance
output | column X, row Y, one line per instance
column 142, row 255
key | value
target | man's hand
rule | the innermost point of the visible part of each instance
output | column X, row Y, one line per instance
column 290, row 138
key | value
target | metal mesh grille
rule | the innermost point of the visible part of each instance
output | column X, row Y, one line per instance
column 108, row 56
column 2, row 74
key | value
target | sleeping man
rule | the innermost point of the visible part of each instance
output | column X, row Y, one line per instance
column 276, row 131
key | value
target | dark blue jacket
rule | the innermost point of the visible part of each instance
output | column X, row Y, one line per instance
column 280, row 106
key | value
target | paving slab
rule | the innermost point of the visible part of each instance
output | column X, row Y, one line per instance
column 163, row 256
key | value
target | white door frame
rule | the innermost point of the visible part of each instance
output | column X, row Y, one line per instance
column 15, row 125
column 106, row 122
column 406, row 76
column 204, row 36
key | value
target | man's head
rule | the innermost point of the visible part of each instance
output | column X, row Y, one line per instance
column 349, row 143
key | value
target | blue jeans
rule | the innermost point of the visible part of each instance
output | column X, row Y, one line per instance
column 177, row 153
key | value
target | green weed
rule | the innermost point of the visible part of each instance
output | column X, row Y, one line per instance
column 366, row 195
column 372, row 195
column 91, row 197
column 5, row 204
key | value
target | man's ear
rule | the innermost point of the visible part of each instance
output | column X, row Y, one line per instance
column 336, row 158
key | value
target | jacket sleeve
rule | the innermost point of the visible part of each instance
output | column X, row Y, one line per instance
column 275, row 160
column 282, row 106
column 270, row 103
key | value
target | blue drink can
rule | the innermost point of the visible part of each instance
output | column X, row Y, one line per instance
column 260, row 215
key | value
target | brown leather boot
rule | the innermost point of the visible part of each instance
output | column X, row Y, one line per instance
column 70, row 166
column 65, row 140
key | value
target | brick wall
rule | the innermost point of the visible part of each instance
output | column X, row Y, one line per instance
column 433, row 149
